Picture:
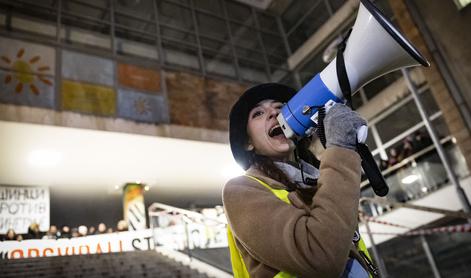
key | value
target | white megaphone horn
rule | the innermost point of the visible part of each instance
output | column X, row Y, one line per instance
column 375, row 47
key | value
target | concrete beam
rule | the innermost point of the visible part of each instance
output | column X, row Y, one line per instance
column 42, row 116
column 340, row 19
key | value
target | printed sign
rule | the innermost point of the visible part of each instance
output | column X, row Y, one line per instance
column 134, row 208
column 88, row 98
column 94, row 244
column 20, row 206
column 175, row 232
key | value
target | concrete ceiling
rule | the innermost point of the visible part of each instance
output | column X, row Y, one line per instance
column 261, row 4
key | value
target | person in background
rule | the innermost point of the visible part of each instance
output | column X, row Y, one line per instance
column 91, row 230
column 75, row 233
column 109, row 230
column 51, row 233
column 393, row 157
column 65, row 232
column 420, row 141
column 383, row 164
column 407, row 148
column 10, row 235
column 34, row 232
column 101, row 228
column 122, row 226
column 19, row 237
column 82, row 230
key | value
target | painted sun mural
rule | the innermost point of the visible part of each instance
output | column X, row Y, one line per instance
column 25, row 71
column 142, row 106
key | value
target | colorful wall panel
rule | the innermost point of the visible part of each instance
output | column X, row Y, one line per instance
column 142, row 79
column 88, row 84
column 26, row 73
column 88, row 98
column 84, row 67
column 141, row 107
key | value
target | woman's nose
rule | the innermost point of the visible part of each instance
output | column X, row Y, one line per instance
column 274, row 112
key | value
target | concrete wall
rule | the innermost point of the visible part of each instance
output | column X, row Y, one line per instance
column 198, row 110
column 200, row 102
column 449, row 29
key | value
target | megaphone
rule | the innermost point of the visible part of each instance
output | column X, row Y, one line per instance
column 375, row 47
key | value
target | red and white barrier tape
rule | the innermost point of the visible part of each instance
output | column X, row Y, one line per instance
column 464, row 228
column 371, row 219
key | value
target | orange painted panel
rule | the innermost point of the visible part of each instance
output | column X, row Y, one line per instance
column 139, row 78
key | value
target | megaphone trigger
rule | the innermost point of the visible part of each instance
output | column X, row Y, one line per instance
column 327, row 106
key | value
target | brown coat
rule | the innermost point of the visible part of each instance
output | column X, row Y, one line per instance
column 305, row 240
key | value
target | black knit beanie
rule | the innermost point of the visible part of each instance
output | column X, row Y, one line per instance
column 239, row 115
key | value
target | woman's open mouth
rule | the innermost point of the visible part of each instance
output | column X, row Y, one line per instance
column 275, row 131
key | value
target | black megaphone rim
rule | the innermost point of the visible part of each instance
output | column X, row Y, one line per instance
column 398, row 37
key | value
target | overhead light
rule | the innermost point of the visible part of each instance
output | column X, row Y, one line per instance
column 410, row 179
column 146, row 188
column 44, row 158
column 232, row 171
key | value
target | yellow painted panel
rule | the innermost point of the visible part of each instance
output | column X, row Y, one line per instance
column 88, row 98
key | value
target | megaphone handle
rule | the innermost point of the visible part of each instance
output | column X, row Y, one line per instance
column 372, row 171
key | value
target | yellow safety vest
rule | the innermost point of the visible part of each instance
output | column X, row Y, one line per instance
column 238, row 266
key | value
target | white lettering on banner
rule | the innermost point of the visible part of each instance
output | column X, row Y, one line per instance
column 201, row 236
column 95, row 244
column 22, row 205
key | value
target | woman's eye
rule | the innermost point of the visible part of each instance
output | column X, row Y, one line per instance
column 257, row 114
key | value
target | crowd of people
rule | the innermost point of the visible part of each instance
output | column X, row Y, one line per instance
column 64, row 232
column 410, row 145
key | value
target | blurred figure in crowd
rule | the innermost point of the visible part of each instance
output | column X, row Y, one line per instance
column 65, row 232
column 75, row 233
column 51, row 233
column 122, row 226
column 82, row 230
column 393, row 157
column 101, row 228
column 109, row 230
column 383, row 164
column 421, row 141
column 407, row 148
column 19, row 237
column 34, row 232
column 91, row 230
column 11, row 235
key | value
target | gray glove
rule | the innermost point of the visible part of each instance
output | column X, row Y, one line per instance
column 341, row 125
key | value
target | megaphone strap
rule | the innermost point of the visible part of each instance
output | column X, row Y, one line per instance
column 342, row 76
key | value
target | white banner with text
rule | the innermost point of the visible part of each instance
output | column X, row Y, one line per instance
column 20, row 206
column 94, row 244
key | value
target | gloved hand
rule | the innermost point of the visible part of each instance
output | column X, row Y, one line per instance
column 341, row 124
